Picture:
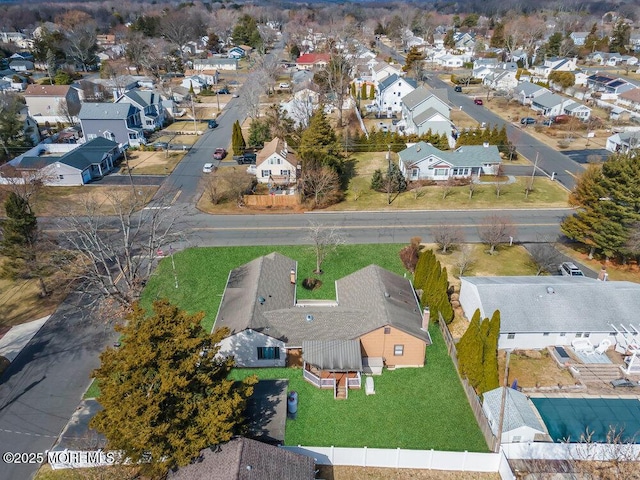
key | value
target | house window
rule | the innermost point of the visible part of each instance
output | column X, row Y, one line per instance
column 586, row 335
column 511, row 336
column 516, row 439
column 275, row 161
column 398, row 350
column 285, row 172
column 268, row 353
column 266, row 173
column 60, row 177
column 441, row 172
column 91, row 136
column 387, row 330
column 415, row 172
column 579, row 335
column 545, row 334
column 562, row 334
column 133, row 136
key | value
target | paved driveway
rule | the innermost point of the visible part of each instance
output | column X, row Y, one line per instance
column 142, row 180
column 582, row 156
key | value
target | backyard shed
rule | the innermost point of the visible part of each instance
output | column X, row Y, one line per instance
column 520, row 423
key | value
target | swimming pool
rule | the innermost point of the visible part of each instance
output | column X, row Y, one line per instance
column 569, row 418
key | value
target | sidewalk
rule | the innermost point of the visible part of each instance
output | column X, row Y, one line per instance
column 12, row 343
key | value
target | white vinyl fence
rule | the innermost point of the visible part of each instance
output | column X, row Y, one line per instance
column 573, row 451
column 401, row 458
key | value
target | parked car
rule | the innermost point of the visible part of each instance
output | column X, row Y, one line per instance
column 547, row 123
column 212, row 124
column 219, row 153
column 561, row 118
column 245, row 158
column 527, row 121
column 372, row 107
column 569, row 269
column 207, row 168
column 478, row 101
column 457, row 88
column 284, row 85
column 235, row 95
column 223, row 91
column 161, row 145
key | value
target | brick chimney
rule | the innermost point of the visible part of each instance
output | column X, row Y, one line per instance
column 426, row 317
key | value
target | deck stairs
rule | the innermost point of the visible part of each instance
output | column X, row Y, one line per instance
column 596, row 372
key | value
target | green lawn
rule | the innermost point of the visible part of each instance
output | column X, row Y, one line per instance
column 202, row 272
column 93, row 391
column 415, row 408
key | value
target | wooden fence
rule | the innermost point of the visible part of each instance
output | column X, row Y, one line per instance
column 474, row 401
column 272, row 200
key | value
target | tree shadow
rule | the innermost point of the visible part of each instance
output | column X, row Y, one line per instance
column 348, row 172
column 266, row 412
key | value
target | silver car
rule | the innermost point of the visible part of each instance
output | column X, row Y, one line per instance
column 569, row 269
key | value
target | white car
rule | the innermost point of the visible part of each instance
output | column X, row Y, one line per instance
column 207, row 168
column 284, row 85
column 569, row 269
column 251, row 170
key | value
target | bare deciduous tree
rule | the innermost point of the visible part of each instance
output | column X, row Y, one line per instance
column 118, row 252
column 319, row 183
column 465, row 259
column 447, row 187
column 494, row 230
column 615, row 458
column 544, row 256
column 325, row 239
column 447, row 236
column 252, row 89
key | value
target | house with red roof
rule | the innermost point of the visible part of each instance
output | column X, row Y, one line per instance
column 312, row 61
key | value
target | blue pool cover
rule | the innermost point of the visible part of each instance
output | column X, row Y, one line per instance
column 567, row 419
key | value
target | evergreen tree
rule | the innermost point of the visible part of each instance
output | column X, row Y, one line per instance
column 319, row 145
column 377, row 180
column 620, row 38
column 497, row 39
column 13, row 137
column 363, row 91
column 413, row 56
column 237, row 139
column 420, row 274
column 259, row 132
column 490, row 377
column 353, row 89
column 553, row 45
column 246, row 32
column 372, row 93
column 164, row 391
column 470, row 352
column 20, row 230
column 608, row 198
column 449, row 41
column 294, row 52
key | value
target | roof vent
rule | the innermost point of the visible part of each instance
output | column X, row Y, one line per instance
column 261, row 300
column 550, row 290
column 386, row 294
column 309, row 318
column 485, row 144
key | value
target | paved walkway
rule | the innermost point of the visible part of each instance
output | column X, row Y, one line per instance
column 510, row 179
column 12, row 343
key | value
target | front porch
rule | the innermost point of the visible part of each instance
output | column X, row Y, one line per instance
column 340, row 382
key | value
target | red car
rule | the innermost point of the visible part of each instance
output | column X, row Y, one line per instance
column 219, row 153
column 477, row 101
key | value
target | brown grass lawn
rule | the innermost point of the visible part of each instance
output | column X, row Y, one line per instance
column 187, row 125
column 118, row 472
column 155, row 163
column 534, row 369
column 369, row 473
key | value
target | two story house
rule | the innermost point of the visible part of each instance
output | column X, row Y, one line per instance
column 425, row 109
column 52, row 103
column 276, row 164
column 555, row 64
column 390, row 91
column 382, row 70
column 423, row 161
column 149, row 102
column 119, row 122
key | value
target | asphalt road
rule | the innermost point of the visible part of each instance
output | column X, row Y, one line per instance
column 42, row 387
column 363, row 227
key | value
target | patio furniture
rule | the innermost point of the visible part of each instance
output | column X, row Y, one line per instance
column 603, row 346
column 368, row 386
column 582, row 345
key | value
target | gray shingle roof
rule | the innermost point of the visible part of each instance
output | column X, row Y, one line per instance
column 143, row 98
column 528, row 88
column 29, row 163
column 335, row 355
column 549, row 100
column 425, row 116
column 391, row 79
column 517, row 410
column 106, row 111
column 420, row 94
column 245, row 459
column 82, row 157
column 362, row 305
column 466, row 156
column 576, row 304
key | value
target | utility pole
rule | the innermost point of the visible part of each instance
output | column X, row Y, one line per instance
column 502, row 403
column 173, row 264
column 533, row 174
column 389, row 176
column 126, row 161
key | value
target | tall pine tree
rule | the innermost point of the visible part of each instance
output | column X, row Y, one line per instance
column 319, row 145
column 470, row 352
column 237, row 139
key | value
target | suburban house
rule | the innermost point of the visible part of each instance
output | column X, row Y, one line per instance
column 120, row 122
column 537, row 312
column 450, row 61
column 525, row 92
column 483, row 66
column 312, row 61
column 630, row 99
column 67, row 165
column 577, row 110
column 276, row 164
column 382, row 70
column 389, row 93
column 579, row 38
column 52, row 103
column 215, row 63
column 22, row 65
column 424, row 109
column 301, row 106
column 245, row 459
column 623, row 142
column 555, row 64
column 501, row 80
column 423, row 161
column 520, row 421
column 609, row 87
column 374, row 321
column 149, row 102
column 634, row 41
column 239, row 51
column 550, row 104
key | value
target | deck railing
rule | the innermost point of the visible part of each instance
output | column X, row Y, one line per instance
column 310, row 377
column 355, row 382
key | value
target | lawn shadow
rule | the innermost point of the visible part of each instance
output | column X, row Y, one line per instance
column 348, row 172
column 267, row 411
